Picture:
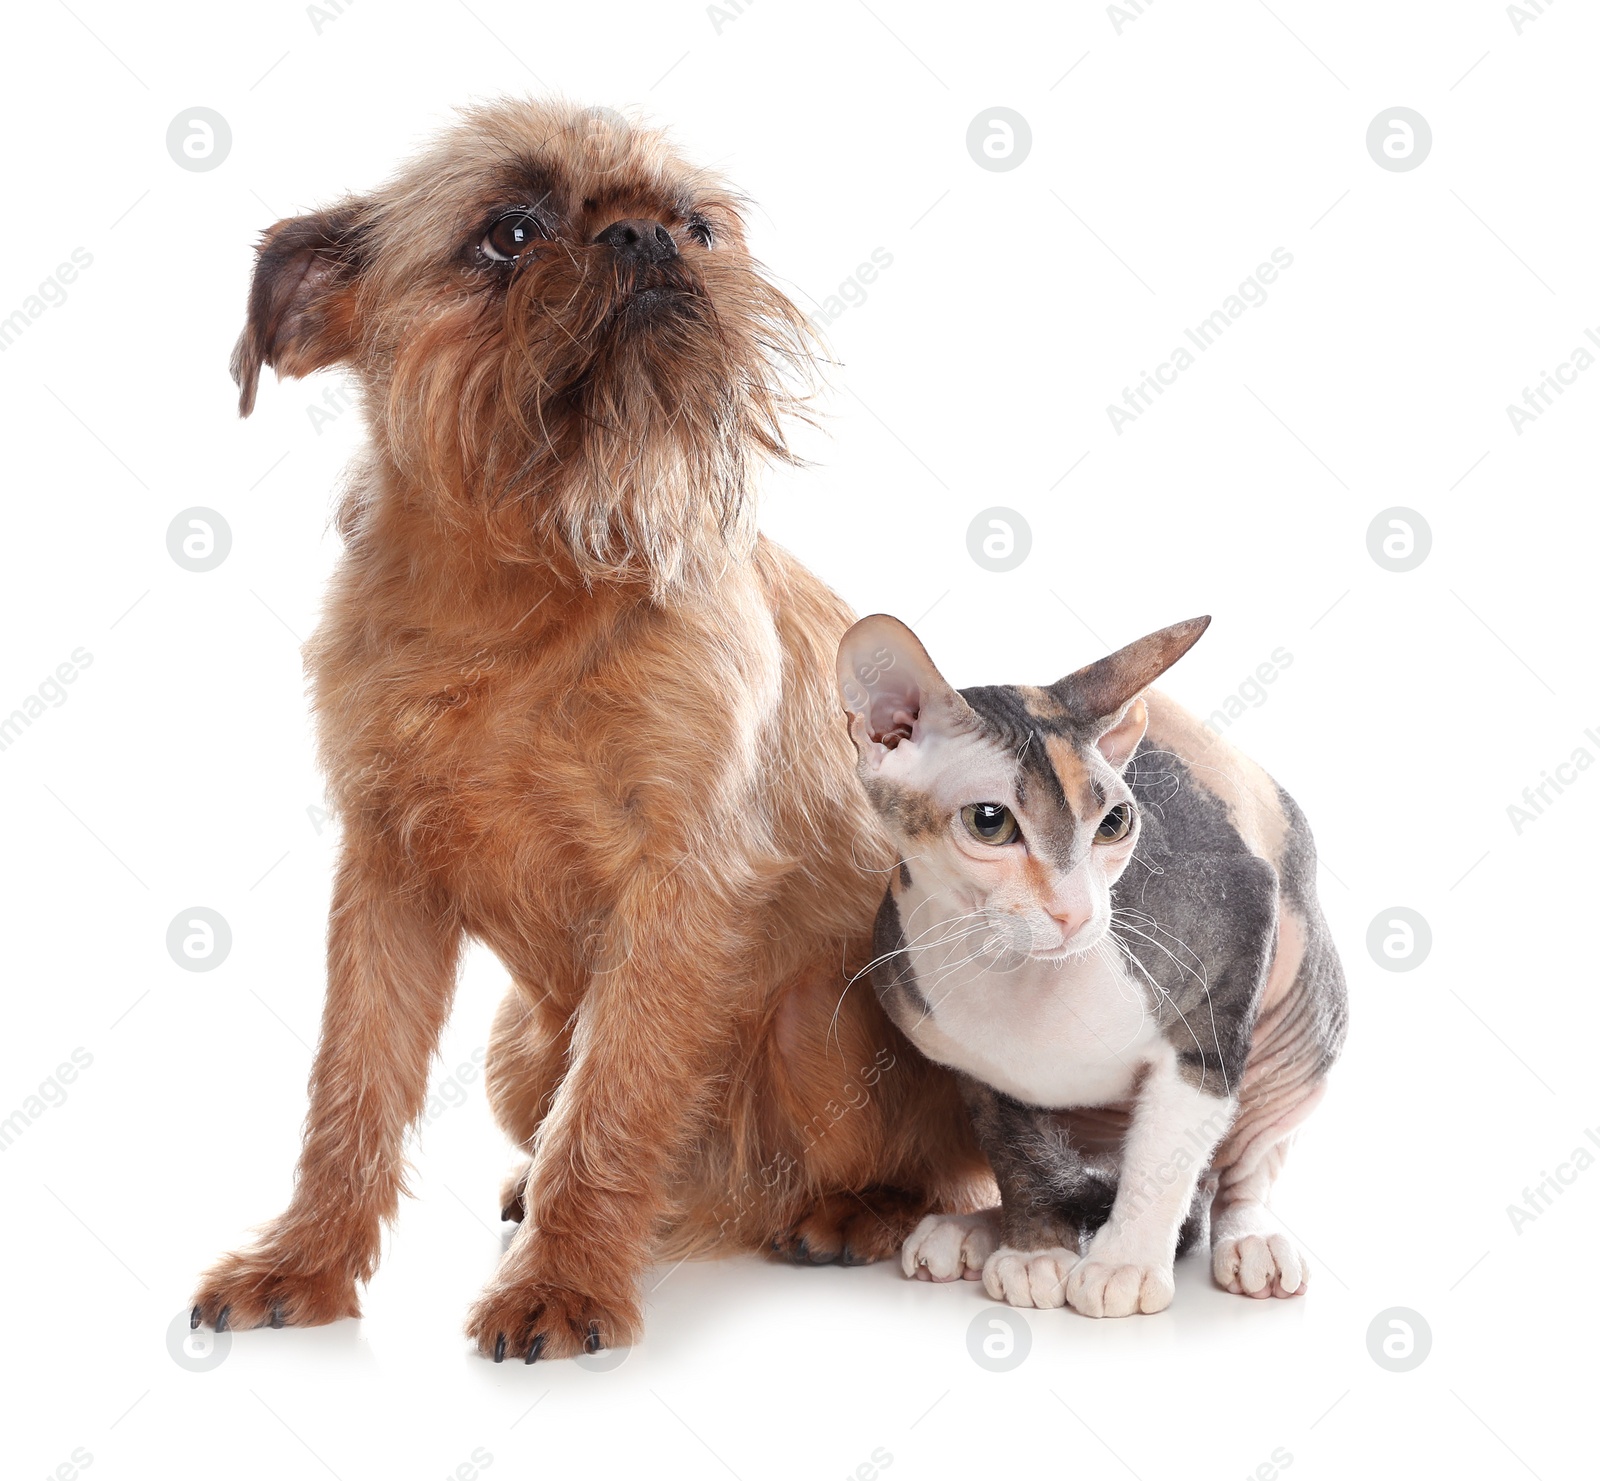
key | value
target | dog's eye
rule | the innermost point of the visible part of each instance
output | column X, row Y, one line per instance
column 512, row 235
column 1115, row 824
column 990, row 822
column 700, row 229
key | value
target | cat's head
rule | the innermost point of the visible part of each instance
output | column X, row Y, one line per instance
column 1011, row 798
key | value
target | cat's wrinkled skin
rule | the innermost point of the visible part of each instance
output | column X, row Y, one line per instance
column 1130, row 974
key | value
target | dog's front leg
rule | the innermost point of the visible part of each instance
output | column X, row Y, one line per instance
column 646, row 1045
column 392, row 956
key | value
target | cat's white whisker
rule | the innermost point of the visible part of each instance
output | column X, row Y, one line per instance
column 1108, row 949
column 919, row 942
column 1199, row 976
column 948, row 970
column 1160, row 991
column 1205, row 987
column 1099, row 950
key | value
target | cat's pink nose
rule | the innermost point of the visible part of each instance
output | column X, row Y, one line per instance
column 1070, row 921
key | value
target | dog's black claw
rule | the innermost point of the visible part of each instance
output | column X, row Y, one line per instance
column 222, row 1318
column 194, row 1318
column 277, row 1317
column 848, row 1256
column 592, row 1342
column 803, row 1254
column 535, row 1349
column 500, row 1348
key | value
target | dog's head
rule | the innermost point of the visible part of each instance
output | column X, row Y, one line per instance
column 559, row 329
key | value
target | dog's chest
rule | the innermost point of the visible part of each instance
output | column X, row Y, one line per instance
column 547, row 753
column 1074, row 1033
column 457, row 745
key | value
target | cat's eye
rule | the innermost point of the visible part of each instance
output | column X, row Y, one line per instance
column 990, row 822
column 1115, row 824
column 512, row 235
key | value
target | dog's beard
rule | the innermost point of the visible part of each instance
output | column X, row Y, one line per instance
column 614, row 414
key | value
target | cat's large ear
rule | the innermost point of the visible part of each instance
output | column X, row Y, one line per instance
column 301, row 315
column 892, row 692
column 1105, row 696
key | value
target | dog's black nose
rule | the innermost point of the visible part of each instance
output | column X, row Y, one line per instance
column 639, row 241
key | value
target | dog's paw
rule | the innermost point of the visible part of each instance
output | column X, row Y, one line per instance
column 851, row 1228
column 1029, row 1277
column 1104, row 1283
column 533, row 1321
column 1259, row 1265
column 271, row 1287
column 951, row 1246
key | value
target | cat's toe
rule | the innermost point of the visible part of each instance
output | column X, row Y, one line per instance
column 950, row 1246
column 1259, row 1265
column 1029, row 1277
column 1110, row 1287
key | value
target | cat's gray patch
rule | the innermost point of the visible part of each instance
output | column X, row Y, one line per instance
column 893, row 976
column 1051, row 1194
column 1198, row 911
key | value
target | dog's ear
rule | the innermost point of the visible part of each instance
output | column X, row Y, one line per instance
column 302, row 298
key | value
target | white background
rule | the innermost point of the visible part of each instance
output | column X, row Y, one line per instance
column 1167, row 162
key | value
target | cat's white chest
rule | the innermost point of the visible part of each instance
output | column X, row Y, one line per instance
column 1057, row 1034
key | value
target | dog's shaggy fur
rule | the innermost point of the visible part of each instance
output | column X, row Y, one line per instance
column 572, row 705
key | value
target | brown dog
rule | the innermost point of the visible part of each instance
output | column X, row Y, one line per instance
column 572, row 705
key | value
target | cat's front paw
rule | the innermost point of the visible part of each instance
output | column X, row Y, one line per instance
column 951, row 1246
column 1029, row 1277
column 1259, row 1265
column 1108, row 1283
